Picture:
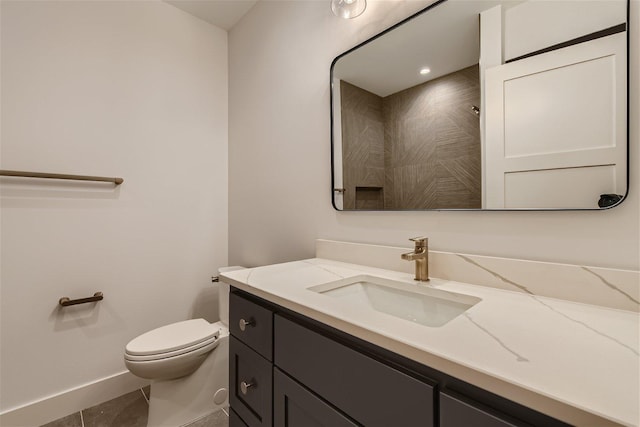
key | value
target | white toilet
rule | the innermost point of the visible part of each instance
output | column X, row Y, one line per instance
column 188, row 363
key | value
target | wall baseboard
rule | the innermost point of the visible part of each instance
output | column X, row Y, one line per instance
column 70, row 401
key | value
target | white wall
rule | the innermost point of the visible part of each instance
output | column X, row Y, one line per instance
column 522, row 22
column 115, row 88
column 280, row 184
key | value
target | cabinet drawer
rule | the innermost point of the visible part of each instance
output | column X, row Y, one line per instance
column 456, row 411
column 295, row 406
column 252, row 324
column 371, row 392
column 235, row 420
column 251, row 382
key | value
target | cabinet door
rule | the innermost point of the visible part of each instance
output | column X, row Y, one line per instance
column 250, row 381
column 370, row 392
column 235, row 420
column 295, row 406
column 456, row 411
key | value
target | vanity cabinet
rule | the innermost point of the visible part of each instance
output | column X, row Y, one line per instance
column 297, row 372
column 250, row 366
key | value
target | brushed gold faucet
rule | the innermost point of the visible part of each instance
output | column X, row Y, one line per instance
column 421, row 256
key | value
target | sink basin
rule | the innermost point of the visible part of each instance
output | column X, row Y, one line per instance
column 416, row 303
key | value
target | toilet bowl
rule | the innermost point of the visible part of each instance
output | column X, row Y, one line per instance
column 188, row 365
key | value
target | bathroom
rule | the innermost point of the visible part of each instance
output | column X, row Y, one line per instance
column 222, row 137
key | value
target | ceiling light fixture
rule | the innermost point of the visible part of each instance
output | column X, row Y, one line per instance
column 348, row 9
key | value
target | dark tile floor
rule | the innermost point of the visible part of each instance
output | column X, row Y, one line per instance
column 129, row 410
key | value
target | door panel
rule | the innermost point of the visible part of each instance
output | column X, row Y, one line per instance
column 549, row 113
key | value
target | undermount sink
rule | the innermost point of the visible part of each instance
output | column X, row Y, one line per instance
column 417, row 303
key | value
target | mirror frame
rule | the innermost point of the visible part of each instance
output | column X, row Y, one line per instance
column 426, row 10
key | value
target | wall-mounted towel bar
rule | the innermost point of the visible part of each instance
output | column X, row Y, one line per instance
column 65, row 301
column 116, row 181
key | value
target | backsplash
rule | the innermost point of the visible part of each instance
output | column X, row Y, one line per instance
column 606, row 287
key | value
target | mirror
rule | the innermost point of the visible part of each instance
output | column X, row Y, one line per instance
column 480, row 104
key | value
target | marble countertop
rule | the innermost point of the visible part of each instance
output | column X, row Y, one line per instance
column 577, row 362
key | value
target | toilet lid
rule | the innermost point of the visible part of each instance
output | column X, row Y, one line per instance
column 172, row 337
column 207, row 345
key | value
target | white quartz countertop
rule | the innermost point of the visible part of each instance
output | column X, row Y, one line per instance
column 566, row 359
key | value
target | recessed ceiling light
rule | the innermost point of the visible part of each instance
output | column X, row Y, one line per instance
column 424, row 71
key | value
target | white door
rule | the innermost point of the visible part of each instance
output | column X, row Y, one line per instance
column 556, row 127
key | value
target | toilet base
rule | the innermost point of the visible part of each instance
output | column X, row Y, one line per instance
column 177, row 402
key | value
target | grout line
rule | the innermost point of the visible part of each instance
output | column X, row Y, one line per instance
column 143, row 395
column 81, row 419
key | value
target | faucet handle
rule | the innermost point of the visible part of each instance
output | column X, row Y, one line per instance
column 420, row 241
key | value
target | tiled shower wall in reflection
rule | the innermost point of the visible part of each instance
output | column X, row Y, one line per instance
column 416, row 149
column 362, row 148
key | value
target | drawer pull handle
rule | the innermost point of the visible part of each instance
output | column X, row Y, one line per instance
column 243, row 324
column 244, row 387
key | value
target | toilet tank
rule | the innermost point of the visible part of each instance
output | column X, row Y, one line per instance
column 223, row 294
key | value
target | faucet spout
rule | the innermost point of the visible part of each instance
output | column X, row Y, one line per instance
column 421, row 256
column 414, row 256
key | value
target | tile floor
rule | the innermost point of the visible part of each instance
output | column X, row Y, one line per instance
column 129, row 410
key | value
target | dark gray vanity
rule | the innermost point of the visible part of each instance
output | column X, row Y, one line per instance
column 289, row 370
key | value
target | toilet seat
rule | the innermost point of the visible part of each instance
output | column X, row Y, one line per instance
column 173, row 340
column 167, row 354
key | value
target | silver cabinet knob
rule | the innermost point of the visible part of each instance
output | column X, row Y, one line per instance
column 245, row 386
column 244, row 323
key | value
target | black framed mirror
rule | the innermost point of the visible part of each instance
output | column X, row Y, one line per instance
column 485, row 104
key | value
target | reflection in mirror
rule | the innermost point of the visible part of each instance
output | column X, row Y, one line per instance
column 470, row 105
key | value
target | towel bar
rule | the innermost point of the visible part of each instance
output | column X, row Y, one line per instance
column 65, row 301
column 116, row 181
